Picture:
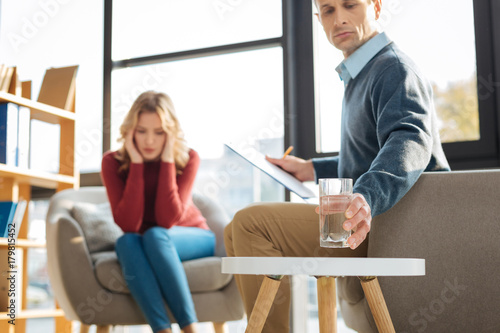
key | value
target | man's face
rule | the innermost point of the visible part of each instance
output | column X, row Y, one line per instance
column 347, row 22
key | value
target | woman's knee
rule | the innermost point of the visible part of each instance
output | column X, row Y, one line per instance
column 156, row 233
column 127, row 240
column 157, row 238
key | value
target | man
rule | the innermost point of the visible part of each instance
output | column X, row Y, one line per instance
column 389, row 136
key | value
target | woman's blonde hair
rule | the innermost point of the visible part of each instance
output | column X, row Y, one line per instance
column 161, row 104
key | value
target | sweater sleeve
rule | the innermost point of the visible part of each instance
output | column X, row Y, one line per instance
column 125, row 197
column 174, row 191
column 326, row 167
column 403, row 109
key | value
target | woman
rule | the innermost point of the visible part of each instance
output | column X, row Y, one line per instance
column 149, row 182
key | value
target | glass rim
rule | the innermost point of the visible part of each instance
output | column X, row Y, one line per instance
column 334, row 179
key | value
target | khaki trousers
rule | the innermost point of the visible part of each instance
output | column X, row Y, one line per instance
column 277, row 230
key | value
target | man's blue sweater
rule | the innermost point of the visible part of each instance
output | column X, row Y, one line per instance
column 389, row 131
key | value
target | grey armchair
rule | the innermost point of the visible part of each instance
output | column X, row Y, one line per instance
column 87, row 279
column 452, row 220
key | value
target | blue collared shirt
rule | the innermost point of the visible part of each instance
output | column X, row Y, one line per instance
column 351, row 66
column 389, row 131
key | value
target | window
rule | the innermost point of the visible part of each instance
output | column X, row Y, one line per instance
column 435, row 51
column 158, row 27
column 224, row 74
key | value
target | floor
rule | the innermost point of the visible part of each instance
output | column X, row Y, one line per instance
column 47, row 325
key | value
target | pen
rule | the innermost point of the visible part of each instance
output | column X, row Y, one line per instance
column 288, row 151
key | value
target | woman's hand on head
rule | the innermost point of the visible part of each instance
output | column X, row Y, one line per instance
column 168, row 150
column 135, row 156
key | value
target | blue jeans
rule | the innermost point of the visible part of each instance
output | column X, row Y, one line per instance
column 151, row 265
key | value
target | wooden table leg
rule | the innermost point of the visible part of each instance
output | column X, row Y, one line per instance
column 376, row 301
column 103, row 329
column 220, row 327
column 263, row 304
column 327, row 304
column 84, row 328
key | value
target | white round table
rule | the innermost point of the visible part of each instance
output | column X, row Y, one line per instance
column 326, row 269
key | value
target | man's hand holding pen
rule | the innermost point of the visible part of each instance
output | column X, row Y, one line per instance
column 301, row 169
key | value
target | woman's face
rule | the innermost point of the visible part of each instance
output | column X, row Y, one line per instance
column 149, row 136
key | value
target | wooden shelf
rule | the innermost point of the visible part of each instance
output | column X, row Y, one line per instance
column 22, row 243
column 38, row 313
column 36, row 177
column 39, row 111
column 16, row 183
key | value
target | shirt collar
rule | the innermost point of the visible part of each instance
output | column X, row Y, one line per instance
column 352, row 66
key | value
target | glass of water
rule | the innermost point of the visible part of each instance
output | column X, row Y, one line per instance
column 334, row 199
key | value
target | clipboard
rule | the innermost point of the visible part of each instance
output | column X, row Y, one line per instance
column 257, row 159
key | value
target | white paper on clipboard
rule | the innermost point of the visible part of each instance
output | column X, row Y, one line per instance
column 258, row 160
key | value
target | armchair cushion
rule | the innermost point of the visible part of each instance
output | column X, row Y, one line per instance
column 98, row 226
column 204, row 274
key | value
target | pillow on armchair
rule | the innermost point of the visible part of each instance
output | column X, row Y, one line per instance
column 98, row 225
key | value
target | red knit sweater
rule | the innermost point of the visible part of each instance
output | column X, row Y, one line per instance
column 151, row 194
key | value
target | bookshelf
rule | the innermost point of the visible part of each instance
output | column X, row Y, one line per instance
column 15, row 184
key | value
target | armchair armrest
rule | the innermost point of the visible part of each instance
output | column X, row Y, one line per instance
column 69, row 263
column 217, row 220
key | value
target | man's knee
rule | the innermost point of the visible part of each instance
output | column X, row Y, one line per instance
column 247, row 216
column 243, row 221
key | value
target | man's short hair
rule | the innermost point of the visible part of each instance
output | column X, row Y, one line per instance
column 316, row 4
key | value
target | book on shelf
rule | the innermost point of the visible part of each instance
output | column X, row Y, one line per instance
column 7, row 212
column 3, row 73
column 9, row 117
column 59, row 87
column 23, row 138
column 44, row 146
column 11, row 217
column 15, row 86
column 14, row 226
column 7, row 79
